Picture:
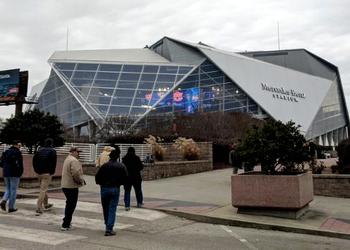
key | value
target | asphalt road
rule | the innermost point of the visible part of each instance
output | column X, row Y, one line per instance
column 140, row 229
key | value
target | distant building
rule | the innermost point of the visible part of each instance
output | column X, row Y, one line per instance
column 86, row 87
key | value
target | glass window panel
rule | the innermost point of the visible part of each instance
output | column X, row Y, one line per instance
column 82, row 90
column 141, row 93
column 129, row 77
column 179, row 77
column 187, row 85
column 101, row 92
column 104, row 83
column 65, row 66
column 124, row 93
column 84, row 75
column 138, row 110
column 164, row 109
column 140, row 101
column 110, row 67
column 168, row 69
column 150, row 68
column 184, row 70
column 122, row 101
column 166, row 78
column 99, row 99
column 66, row 73
column 107, row 76
column 192, row 78
column 101, row 108
column 127, row 85
column 209, row 68
column 87, row 66
column 132, row 68
column 163, row 85
column 81, row 82
column 116, row 110
column 148, row 77
column 146, row 85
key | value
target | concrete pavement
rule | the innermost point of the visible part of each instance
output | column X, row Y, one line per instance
column 206, row 197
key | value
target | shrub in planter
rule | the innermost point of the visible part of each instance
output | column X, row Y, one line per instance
column 157, row 150
column 188, row 148
column 278, row 147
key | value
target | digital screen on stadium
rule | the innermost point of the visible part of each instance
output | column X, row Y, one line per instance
column 9, row 85
column 186, row 99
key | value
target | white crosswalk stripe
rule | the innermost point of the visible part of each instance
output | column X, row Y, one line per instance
column 49, row 218
column 140, row 214
column 37, row 235
column 26, row 213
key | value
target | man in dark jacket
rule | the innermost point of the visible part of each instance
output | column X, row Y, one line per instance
column 44, row 164
column 110, row 177
column 12, row 164
column 134, row 167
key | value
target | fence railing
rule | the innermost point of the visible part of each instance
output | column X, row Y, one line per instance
column 91, row 151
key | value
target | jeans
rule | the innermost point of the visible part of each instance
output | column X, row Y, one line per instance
column 109, row 200
column 44, row 181
column 11, row 185
column 138, row 193
column 71, row 202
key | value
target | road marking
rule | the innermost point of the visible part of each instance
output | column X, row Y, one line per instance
column 49, row 218
column 244, row 241
column 136, row 213
column 37, row 235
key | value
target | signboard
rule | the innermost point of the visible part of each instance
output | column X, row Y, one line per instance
column 9, row 85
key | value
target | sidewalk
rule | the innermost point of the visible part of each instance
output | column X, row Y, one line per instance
column 206, row 197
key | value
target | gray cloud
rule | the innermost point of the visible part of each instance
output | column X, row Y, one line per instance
column 32, row 30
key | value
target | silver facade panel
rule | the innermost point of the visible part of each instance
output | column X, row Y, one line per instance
column 285, row 94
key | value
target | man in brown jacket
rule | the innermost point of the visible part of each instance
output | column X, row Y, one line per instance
column 72, row 179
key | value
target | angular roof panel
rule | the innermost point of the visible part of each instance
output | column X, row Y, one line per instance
column 284, row 93
column 112, row 55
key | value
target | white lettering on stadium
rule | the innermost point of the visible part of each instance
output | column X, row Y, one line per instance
column 283, row 94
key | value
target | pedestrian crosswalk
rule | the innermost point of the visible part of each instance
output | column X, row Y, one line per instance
column 88, row 216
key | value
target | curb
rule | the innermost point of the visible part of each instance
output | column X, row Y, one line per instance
column 250, row 224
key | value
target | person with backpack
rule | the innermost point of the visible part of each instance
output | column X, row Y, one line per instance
column 12, row 164
column 44, row 164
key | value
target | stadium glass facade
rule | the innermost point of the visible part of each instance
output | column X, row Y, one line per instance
column 175, row 77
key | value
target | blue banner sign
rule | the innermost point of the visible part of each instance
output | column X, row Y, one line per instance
column 9, row 85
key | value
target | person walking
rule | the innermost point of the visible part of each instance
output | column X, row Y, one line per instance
column 235, row 159
column 110, row 177
column 44, row 164
column 104, row 156
column 12, row 164
column 134, row 166
column 72, row 180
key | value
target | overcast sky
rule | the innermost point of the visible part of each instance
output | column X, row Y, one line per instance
column 31, row 30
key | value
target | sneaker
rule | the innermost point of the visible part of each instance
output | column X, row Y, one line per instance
column 110, row 233
column 3, row 205
column 127, row 208
column 65, row 228
column 11, row 210
column 38, row 212
column 139, row 205
column 48, row 206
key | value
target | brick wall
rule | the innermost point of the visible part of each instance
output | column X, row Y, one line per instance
column 334, row 185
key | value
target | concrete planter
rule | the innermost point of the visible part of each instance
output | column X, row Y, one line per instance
column 273, row 195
